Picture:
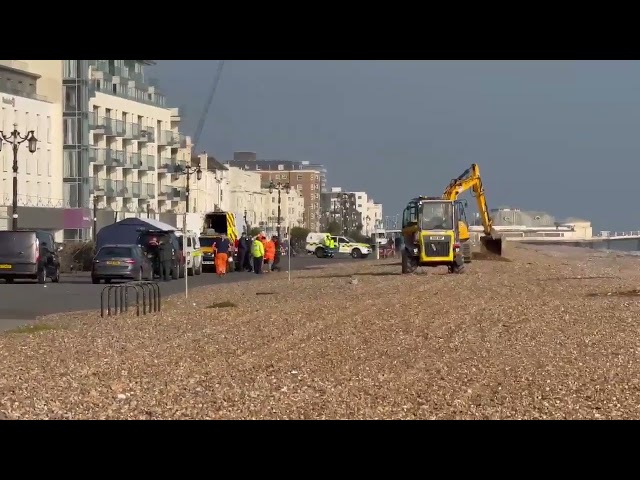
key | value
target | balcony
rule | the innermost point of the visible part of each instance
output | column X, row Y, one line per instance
column 107, row 157
column 165, row 192
column 132, row 131
column 147, row 134
column 102, row 125
column 167, row 137
column 179, row 194
column 167, row 165
column 128, row 189
column 121, row 128
column 183, row 141
column 147, row 162
column 133, row 160
column 148, row 191
column 108, row 187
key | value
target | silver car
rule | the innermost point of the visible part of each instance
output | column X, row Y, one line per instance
column 121, row 262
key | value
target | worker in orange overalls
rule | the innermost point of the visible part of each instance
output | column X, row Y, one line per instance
column 222, row 247
column 269, row 254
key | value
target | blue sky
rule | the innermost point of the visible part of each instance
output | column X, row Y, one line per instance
column 558, row 136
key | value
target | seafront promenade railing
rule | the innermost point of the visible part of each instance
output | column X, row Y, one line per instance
column 609, row 234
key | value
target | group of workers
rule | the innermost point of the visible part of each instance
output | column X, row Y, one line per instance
column 254, row 254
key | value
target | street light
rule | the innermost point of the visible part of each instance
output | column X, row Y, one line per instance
column 15, row 139
column 279, row 186
column 188, row 171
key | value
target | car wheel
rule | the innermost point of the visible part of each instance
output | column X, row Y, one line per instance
column 356, row 253
column 174, row 272
column 319, row 252
column 42, row 276
column 56, row 276
column 199, row 269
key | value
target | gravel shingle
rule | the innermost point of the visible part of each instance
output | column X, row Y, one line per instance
column 520, row 339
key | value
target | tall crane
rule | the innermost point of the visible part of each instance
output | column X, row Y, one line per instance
column 207, row 105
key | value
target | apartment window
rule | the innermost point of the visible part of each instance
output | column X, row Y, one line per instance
column 71, row 131
column 273, row 199
column 317, row 177
column 299, row 177
column 317, row 186
column 70, row 68
column 277, row 177
column 280, row 167
column 70, row 98
column 313, row 186
column 359, row 205
column 47, row 159
column 48, row 129
column 5, row 159
column 38, row 161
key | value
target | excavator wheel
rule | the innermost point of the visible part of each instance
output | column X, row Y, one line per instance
column 491, row 245
column 409, row 264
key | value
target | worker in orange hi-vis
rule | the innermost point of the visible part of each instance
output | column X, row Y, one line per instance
column 222, row 247
column 269, row 254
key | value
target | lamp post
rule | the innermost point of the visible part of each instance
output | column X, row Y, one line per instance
column 188, row 171
column 279, row 186
column 16, row 139
column 95, row 219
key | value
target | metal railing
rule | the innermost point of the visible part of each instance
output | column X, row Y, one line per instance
column 120, row 295
column 609, row 234
column 6, row 200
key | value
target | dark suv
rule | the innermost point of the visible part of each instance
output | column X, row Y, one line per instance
column 177, row 258
column 28, row 255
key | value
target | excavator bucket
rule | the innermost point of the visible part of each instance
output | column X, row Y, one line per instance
column 491, row 245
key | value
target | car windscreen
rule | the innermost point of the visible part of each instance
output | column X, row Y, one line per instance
column 12, row 243
column 115, row 252
column 208, row 242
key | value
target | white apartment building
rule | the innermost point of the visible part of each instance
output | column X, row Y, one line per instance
column 247, row 197
column 374, row 213
column 136, row 150
column 31, row 98
column 292, row 210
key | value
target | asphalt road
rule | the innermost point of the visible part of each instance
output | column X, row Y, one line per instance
column 22, row 302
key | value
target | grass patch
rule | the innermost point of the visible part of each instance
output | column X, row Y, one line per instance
column 34, row 328
column 225, row 304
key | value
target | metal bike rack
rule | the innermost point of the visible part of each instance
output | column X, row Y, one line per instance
column 121, row 294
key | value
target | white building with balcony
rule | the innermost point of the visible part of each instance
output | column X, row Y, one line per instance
column 292, row 211
column 31, row 99
column 373, row 219
column 122, row 145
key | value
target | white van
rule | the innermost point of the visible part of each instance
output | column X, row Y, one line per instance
column 191, row 251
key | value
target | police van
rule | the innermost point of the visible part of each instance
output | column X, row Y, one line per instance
column 191, row 251
column 344, row 245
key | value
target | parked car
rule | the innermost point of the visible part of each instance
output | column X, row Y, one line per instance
column 121, row 262
column 28, row 254
column 178, row 261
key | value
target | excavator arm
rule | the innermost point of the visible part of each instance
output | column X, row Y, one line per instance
column 470, row 180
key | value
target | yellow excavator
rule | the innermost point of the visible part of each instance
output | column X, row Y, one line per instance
column 470, row 180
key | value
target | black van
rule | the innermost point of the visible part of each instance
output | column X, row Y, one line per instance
column 28, row 255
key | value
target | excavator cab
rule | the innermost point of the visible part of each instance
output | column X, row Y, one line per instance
column 431, row 231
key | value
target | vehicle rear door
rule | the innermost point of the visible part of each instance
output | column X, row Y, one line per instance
column 115, row 260
column 18, row 252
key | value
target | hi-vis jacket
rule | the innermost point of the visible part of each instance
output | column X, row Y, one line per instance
column 257, row 249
